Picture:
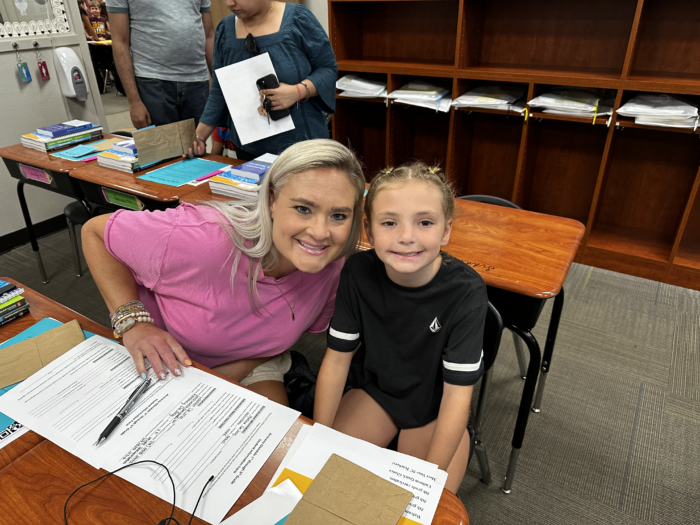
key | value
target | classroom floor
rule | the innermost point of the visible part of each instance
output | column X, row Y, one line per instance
column 618, row 438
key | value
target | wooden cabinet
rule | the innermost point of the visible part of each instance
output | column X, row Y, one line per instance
column 634, row 187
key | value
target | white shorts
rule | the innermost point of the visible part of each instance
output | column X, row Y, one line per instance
column 271, row 370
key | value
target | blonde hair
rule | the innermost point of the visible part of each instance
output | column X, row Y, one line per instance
column 94, row 3
column 248, row 222
column 391, row 178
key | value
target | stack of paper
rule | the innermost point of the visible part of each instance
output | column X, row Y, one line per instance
column 61, row 135
column 575, row 102
column 121, row 161
column 242, row 181
column 357, row 87
column 423, row 94
column 313, row 447
column 660, row 110
column 491, row 97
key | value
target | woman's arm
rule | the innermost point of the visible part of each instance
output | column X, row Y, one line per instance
column 451, row 424
column 117, row 286
column 330, row 385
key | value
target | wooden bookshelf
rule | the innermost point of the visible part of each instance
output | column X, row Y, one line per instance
column 634, row 187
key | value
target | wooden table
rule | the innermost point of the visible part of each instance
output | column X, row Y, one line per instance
column 40, row 169
column 95, row 179
column 36, row 476
column 202, row 193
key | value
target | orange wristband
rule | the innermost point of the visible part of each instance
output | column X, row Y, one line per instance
column 298, row 93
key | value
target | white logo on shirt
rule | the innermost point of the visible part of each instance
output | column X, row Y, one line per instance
column 435, row 326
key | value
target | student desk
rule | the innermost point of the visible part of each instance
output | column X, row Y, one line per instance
column 40, row 169
column 114, row 189
column 36, row 476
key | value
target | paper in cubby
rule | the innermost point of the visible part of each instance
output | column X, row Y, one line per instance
column 660, row 110
column 423, row 94
column 577, row 102
column 490, row 97
column 358, row 87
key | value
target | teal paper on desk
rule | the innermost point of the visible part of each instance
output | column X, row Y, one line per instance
column 183, row 172
column 70, row 154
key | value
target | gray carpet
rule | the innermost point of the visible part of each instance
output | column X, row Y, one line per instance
column 618, row 438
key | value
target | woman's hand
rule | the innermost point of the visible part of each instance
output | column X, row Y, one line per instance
column 284, row 96
column 147, row 341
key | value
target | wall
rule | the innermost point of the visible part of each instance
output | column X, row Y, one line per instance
column 25, row 107
column 320, row 10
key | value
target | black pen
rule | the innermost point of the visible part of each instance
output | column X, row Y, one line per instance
column 133, row 398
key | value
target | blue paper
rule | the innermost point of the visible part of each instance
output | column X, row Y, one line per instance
column 64, row 154
column 80, row 151
column 183, row 172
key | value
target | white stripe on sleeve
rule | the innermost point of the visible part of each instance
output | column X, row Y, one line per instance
column 342, row 335
column 467, row 367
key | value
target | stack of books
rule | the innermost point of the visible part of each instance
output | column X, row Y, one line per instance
column 661, row 110
column 121, row 156
column 58, row 136
column 12, row 304
column 423, row 94
column 242, row 181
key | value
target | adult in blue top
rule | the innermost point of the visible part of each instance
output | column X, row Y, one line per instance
column 304, row 64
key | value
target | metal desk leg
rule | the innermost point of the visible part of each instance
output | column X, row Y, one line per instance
column 525, row 403
column 30, row 230
column 520, row 352
column 549, row 348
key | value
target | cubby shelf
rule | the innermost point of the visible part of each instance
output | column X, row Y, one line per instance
column 635, row 187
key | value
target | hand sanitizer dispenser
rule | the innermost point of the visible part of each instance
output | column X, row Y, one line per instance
column 71, row 73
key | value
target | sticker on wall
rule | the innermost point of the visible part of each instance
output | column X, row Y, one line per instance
column 36, row 174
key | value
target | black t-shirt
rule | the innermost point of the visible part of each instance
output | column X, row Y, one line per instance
column 411, row 339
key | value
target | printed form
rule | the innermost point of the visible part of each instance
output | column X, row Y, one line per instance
column 198, row 425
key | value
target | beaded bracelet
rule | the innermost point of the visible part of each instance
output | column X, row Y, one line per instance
column 308, row 91
column 127, row 315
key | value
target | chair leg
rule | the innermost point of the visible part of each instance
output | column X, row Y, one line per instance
column 520, row 352
column 74, row 245
column 549, row 348
column 479, row 448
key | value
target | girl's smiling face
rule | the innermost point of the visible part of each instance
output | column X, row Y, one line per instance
column 312, row 219
column 408, row 230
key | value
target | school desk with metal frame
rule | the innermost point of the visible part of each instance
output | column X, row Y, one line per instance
column 36, row 476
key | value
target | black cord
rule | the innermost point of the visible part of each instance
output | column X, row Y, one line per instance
column 164, row 521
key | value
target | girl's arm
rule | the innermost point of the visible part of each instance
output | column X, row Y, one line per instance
column 330, row 385
column 451, row 424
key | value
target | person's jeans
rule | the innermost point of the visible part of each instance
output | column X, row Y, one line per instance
column 170, row 101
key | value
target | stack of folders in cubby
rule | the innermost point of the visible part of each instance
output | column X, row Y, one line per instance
column 493, row 97
column 574, row 102
column 242, row 182
column 12, row 304
column 121, row 156
column 423, row 94
column 357, row 87
column 661, row 110
column 60, row 135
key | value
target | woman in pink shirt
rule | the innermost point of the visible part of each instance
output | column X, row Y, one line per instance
column 233, row 285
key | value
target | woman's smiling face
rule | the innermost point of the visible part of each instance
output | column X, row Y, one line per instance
column 312, row 218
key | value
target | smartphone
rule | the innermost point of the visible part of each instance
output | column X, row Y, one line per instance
column 270, row 82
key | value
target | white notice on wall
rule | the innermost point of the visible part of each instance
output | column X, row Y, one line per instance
column 238, row 84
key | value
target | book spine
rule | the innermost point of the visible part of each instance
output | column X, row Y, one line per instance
column 64, row 131
column 67, row 140
column 12, row 307
column 75, row 140
column 14, row 315
column 9, row 295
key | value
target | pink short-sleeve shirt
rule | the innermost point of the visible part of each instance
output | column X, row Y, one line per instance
column 181, row 259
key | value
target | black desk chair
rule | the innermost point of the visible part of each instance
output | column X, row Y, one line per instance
column 498, row 201
column 103, row 60
column 493, row 329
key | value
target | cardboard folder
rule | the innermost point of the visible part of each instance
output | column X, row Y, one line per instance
column 164, row 142
column 19, row 361
column 343, row 493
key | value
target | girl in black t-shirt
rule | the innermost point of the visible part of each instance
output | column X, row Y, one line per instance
column 414, row 317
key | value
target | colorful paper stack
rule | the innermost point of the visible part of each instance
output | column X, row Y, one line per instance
column 242, row 181
column 60, row 135
column 12, row 304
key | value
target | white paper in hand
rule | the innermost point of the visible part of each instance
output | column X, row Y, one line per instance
column 238, row 85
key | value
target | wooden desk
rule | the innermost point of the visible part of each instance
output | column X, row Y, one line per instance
column 36, row 476
column 151, row 195
column 55, row 177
